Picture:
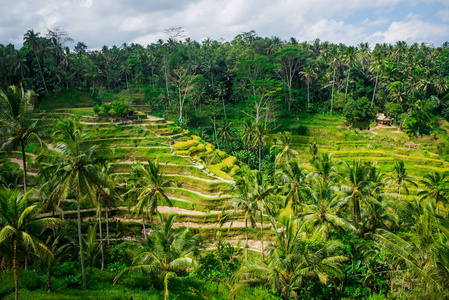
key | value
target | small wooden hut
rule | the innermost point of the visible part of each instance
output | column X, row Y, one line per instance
column 382, row 119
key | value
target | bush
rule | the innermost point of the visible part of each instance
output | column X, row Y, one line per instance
column 106, row 108
column 7, row 283
column 96, row 109
column 120, row 108
column 31, row 280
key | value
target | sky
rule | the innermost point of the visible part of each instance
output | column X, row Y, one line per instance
column 114, row 22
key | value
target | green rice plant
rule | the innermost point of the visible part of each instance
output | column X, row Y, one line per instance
column 185, row 145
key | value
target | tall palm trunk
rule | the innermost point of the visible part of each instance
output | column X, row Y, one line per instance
column 24, row 160
column 308, row 95
column 375, row 87
column 101, row 237
column 83, row 274
column 40, row 70
column 347, row 83
column 332, row 97
column 246, row 238
column 107, row 225
column 15, row 272
column 260, row 156
column 261, row 231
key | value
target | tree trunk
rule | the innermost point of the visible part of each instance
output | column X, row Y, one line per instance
column 101, row 237
column 260, row 155
column 24, row 160
column 40, row 70
column 246, row 238
column 15, row 272
column 308, row 95
column 107, row 225
column 375, row 87
column 347, row 82
column 332, row 97
column 49, row 281
column 83, row 274
column 261, row 231
column 143, row 222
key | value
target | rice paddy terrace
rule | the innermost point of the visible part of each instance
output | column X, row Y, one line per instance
column 203, row 174
column 379, row 143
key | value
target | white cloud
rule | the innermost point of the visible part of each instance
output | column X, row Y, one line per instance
column 411, row 30
column 102, row 22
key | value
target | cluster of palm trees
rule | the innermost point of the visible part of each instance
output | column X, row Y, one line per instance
column 308, row 211
column 412, row 77
column 335, row 198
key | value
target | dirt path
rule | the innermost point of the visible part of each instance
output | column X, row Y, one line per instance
column 196, row 178
column 210, row 196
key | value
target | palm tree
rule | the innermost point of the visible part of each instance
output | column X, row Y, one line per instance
column 17, row 125
column 294, row 178
column 49, row 259
column 292, row 262
column 336, row 63
column 320, row 212
column 283, row 144
column 309, row 74
column 261, row 138
column 401, row 178
column 416, row 256
column 170, row 253
column 350, row 56
column 355, row 186
column 226, row 134
column 32, row 40
column 91, row 246
column 19, row 224
column 149, row 184
column 261, row 195
column 243, row 203
column 434, row 188
column 324, row 166
column 74, row 170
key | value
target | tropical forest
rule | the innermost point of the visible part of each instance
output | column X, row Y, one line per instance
column 255, row 168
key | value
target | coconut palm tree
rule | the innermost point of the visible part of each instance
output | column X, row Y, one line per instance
column 415, row 257
column 400, row 178
column 171, row 252
column 292, row 262
column 48, row 260
column 350, row 57
column 91, row 245
column 260, row 138
column 19, row 229
column 283, row 145
column 243, row 203
column 355, row 186
column 17, row 125
column 320, row 212
column 309, row 74
column 74, row 170
column 434, row 188
column 294, row 178
column 324, row 166
column 149, row 184
column 261, row 193
column 32, row 41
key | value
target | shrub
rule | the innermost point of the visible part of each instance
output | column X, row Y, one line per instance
column 106, row 108
column 31, row 280
column 120, row 108
column 96, row 109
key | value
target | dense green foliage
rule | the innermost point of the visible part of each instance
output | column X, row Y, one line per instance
column 322, row 226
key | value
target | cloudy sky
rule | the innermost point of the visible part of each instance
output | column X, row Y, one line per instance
column 114, row 22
